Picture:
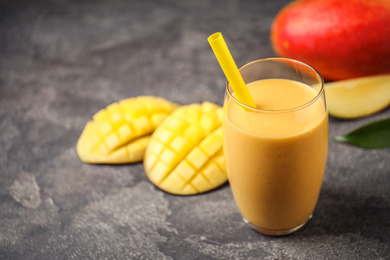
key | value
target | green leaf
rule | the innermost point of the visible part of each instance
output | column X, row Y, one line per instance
column 372, row 135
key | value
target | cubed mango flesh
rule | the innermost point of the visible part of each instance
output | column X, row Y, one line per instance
column 121, row 132
column 185, row 154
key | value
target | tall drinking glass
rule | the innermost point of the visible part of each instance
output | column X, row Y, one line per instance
column 276, row 153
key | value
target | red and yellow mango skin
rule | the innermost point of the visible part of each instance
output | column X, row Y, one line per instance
column 341, row 39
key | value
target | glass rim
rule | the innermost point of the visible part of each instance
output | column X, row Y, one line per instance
column 229, row 90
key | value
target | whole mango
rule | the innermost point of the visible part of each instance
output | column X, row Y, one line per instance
column 342, row 39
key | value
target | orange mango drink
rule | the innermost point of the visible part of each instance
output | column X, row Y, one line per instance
column 276, row 153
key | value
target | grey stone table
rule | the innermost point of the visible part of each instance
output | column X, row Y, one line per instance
column 61, row 61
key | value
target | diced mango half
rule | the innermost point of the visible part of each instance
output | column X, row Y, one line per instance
column 185, row 155
column 121, row 132
column 358, row 97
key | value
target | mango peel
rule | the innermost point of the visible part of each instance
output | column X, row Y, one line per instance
column 341, row 39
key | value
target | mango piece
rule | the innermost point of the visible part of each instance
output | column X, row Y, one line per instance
column 121, row 132
column 342, row 39
column 185, row 155
column 358, row 97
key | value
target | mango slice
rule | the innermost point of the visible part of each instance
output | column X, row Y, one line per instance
column 358, row 97
column 185, row 155
column 121, row 132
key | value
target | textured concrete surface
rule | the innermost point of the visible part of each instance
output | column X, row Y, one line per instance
column 61, row 61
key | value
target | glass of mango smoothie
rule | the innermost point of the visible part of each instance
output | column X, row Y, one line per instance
column 276, row 153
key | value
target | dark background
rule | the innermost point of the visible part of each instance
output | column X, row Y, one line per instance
column 62, row 61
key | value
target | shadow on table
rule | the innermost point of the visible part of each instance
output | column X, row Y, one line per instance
column 340, row 213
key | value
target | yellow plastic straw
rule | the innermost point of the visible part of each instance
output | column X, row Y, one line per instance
column 230, row 69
